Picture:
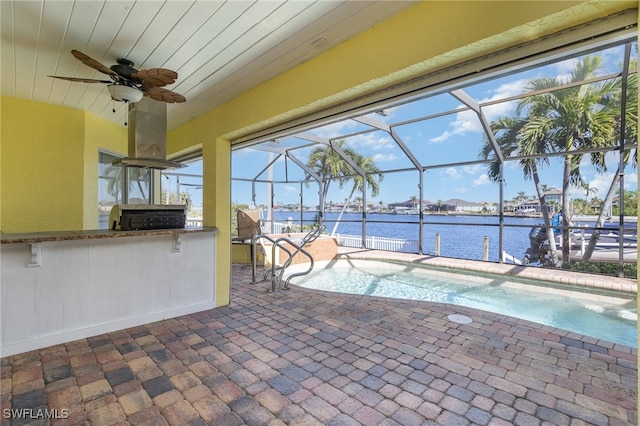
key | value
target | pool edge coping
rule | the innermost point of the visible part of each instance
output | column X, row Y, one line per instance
column 626, row 285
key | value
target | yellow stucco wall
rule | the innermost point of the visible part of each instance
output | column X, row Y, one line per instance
column 50, row 166
column 42, row 167
column 217, row 210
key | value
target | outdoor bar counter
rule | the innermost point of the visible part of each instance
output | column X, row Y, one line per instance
column 62, row 286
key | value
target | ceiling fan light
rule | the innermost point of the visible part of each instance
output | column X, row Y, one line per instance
column 124, row 93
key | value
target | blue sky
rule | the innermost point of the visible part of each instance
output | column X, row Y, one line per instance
column 452, row 138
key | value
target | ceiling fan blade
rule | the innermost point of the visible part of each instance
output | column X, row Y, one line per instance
column 81, row 80
column 90, row 62
column 156, row 77
column 164, row 95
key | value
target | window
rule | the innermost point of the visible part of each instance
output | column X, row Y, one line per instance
column 110, row 186
column 184, row 186
column 112, row 189
column 140, row 188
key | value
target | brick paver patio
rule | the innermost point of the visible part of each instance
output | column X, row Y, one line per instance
column 303, row 357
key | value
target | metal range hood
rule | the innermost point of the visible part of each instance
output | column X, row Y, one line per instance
column 147, row 136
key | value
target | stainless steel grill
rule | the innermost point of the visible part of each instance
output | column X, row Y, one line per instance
column 136, row 217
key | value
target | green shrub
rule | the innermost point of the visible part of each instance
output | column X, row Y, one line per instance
column 630, row 269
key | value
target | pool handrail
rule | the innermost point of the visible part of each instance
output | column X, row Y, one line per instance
column 254, row 257
column 311, row 236
column 276, row 278
column 300, row 274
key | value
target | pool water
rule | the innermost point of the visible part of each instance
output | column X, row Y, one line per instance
column 610, row 316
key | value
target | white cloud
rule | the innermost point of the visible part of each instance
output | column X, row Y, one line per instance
column 507, row 90
column 291, row 190
column 465, row 122
column 474, row 168
column 483, row 179
column 565, row 68
column 603, row 182
column 452, row 173
column 468, row 122
column 443, row 137
column 631, row 181
column 381, row 158
column 376, row 141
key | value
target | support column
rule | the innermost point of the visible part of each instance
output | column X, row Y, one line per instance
column 216, row 200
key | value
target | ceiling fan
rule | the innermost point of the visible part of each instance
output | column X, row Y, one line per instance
column 128, row 84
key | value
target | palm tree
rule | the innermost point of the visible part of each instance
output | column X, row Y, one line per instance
column 589, row 190
column 114, row 175
column 367, row 165
column 630, row 133
column 137, row 176
column 513, row 138
column 564, row 120
column 571, row 119
column 414, row 200
column 329, row 166
column 373, row 175
column 359, row 203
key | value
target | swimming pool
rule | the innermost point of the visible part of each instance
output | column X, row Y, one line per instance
column 606, row 315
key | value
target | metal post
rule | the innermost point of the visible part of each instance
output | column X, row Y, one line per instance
column 270, row 191
column 177, row 191
column 485, row 251
column 501, row 214
column 125, row 190
column 153, row 176
column 301, row 208
column 623, row 125
column 270, row 206
column 364, row 211
column 420, row 213
column 437, row 244
column 274, row 285
column 320, row 203
column 253, row 193
column 254, row 259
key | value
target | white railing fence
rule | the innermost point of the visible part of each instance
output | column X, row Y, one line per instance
column 378, row 243
column 281, row 228
column 372, row 242
column 194, row 222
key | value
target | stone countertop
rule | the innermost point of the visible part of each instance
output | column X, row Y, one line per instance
column 39, row 237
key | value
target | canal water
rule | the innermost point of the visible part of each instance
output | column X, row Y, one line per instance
column 461, row 236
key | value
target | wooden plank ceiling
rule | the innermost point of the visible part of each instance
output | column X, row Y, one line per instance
column 219, row 48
